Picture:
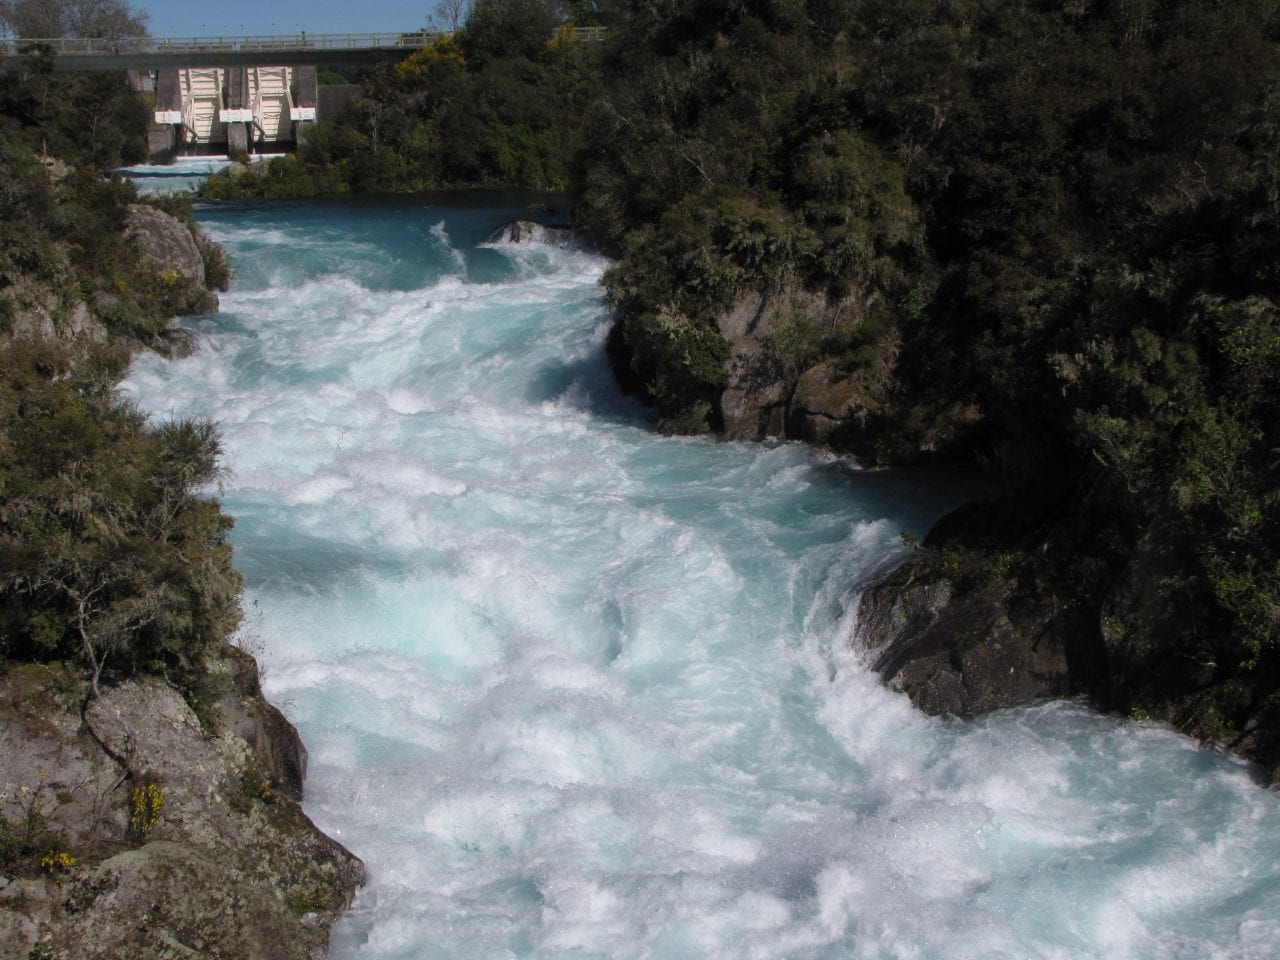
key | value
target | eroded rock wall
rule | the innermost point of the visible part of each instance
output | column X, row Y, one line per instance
column 223, row 864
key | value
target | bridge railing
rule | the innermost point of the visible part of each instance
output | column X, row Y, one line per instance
column 88, row 46
column 82, row 46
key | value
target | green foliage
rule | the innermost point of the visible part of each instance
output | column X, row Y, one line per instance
column 510, row 28
column 1056, row 226
column 480, row 111
column 86, row 119
column 110, row 554
column 688, row 357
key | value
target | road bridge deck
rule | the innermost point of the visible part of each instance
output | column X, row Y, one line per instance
column 303, row 49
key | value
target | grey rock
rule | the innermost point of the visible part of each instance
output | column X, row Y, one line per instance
column 170, row 247
column 40, row 316
column 527, row 231
column 231, row 866
column 753, row 405
column 242, row 711
column 82, row 325
column 825, row 401
column 166, row 242
column 769, row 393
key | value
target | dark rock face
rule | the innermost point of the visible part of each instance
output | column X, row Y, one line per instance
column 959, row 647
column 243, row 711
column 753, row 406
column 966, row 629
column 825, row 402
column 772, row 394
column 226, row 865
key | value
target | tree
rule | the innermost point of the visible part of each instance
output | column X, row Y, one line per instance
column 450, row 15
column 509, row 28
column 98, row 19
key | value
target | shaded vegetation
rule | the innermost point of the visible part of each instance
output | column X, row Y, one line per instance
column 110, row 554
column 498, row 106
column 1061, row 220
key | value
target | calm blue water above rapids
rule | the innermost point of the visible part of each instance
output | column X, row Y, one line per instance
column 575, row 690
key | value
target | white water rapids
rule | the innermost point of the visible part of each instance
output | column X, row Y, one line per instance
column 575, row 690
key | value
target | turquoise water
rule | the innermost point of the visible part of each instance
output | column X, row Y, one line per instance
column 572, row 689
column 182, row 176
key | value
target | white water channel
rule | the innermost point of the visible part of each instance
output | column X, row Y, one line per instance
column 573, row 690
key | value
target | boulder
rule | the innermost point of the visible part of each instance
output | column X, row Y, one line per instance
column 964, row 628
column 165, row 241
column 170, row 247
column 964, row 641
column 527, row 231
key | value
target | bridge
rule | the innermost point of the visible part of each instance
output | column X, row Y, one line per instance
column 238, row 91
column 152, row 53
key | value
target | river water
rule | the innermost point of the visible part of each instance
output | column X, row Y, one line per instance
column 572, row 689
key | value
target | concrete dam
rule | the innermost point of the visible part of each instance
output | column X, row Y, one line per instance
column 232, row 93
column 237, row 108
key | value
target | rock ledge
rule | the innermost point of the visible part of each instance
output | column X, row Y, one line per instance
column 224, row 865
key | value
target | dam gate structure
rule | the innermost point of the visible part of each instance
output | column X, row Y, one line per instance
column 237, row 92
column 236, row 108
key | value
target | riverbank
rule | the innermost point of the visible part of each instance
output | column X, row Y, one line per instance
column 978, row 239
column 148, row 791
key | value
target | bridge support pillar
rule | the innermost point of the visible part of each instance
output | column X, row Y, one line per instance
column 237, row 139
column 162, row 142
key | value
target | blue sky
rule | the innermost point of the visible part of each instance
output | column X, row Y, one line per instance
column 182, row 18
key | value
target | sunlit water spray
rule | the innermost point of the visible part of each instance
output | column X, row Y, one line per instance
column 572, row 689
column 183, row 175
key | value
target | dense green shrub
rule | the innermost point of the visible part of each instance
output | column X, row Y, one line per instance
column 111, row 556
column 1055, row 225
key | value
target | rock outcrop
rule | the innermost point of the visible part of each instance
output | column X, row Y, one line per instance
column 529, row 231
column 963, row 628
column 170, row 247
column 173, row 278
column 46, row 321
column 960, row 642
column 137, row 825
column 773, row 391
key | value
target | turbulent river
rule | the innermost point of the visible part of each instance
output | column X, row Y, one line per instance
column 572, row 689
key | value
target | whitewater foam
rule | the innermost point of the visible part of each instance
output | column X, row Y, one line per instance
column 572, row 689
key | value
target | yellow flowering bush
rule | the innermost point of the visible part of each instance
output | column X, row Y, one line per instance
column 55, row 864
column 147, row 803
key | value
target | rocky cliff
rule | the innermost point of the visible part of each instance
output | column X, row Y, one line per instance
column 774, row 390
column 966, row 626
column 146, row 823
column 1003, row 606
